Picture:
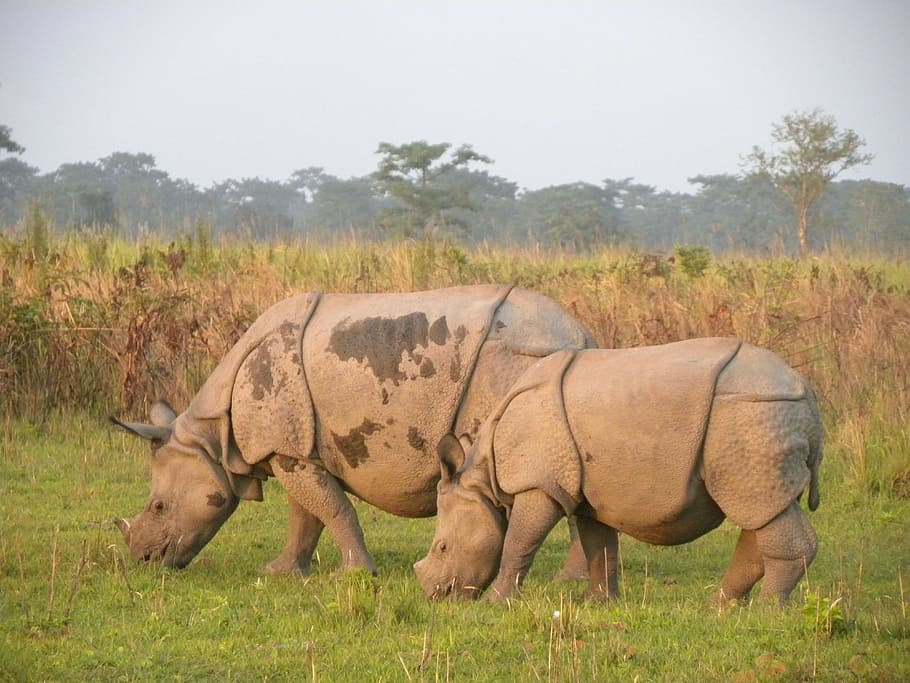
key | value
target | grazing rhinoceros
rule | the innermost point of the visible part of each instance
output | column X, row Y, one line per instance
column 333, row 393
column 657, row 442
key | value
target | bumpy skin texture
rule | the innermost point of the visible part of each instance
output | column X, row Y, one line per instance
column 341, row 393
column 659, row 442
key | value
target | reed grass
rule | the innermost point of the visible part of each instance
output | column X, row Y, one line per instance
column 95, row 323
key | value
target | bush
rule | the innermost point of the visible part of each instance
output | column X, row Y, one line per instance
column 694, row 261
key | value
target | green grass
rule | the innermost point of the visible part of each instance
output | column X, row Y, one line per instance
column 71, row 608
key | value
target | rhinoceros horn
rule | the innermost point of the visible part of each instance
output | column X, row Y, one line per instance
column 124, row 527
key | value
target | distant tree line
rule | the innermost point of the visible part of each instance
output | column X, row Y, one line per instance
column 425, row 189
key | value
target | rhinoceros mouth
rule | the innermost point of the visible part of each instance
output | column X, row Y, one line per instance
column 159, row 554
column 168, row 553
column 442, row 590
column 454, row 590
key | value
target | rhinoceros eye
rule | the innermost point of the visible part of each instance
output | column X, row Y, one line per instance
column 441, row 546
column 159, row 506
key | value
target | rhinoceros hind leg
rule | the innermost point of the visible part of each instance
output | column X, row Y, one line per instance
column 601, row 547
column 788, row 545
column 318, row 492
column 303, row 537
column 575, row 567
column 746, row 568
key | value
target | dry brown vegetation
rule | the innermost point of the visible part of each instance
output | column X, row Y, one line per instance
column 91, row 323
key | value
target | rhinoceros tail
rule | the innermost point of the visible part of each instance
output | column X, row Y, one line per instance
column 814, row 497
column 815, row 449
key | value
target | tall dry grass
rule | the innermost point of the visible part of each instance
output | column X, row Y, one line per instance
column 89, row 322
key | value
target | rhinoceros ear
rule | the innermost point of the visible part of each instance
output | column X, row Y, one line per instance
column 161, row 413
column 451, row 456
column 153, row 433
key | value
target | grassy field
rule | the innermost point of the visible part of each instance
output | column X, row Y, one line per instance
column 72, row 609
column 91, row 326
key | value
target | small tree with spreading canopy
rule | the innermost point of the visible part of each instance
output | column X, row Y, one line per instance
column 416, row 173
column 810, row 151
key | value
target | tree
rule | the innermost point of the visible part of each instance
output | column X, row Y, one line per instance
column 97, row 207
column 17, row 180
column 415, row 174
column 341, row 206
column 257, row 207
column 80, row 194
column 129, row 164
column 872, row 214
column 811, row 152
column 141, row 191
column 7, row 143
column 731, row 212
column 573, row 216
column 306, row 181
column 491, row 198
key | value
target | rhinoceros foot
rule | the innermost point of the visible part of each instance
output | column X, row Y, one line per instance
column 287, row 566
column 576, row 566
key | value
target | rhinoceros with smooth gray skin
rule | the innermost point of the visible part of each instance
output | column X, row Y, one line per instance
column 661, row 443
column 338, row 393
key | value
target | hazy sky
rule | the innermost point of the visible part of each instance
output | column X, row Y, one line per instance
column 554, row 92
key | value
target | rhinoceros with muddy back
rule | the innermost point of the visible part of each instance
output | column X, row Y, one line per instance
column 334, row 394
column 660, row 443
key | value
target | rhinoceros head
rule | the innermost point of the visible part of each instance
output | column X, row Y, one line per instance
column 191, row 495
column 470, row 528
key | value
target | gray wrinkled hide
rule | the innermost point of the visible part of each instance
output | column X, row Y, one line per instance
column 661, row 443
column 369, row 383
column 618, row 427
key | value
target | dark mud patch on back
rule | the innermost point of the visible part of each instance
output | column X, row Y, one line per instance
column 455, row 367
column 259, row 366
column 353, row 446
column 427, row 369
column 267, row 365
column 439, row 331
column 290, row 336
column 216, row 499
column 417, row 442
column 288, row 464
column 380, row 342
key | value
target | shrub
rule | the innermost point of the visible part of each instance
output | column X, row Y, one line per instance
column 694, row 261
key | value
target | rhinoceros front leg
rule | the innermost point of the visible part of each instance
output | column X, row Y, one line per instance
column 319, row 493
column 533, row 516
column 304, row 530
column 601, row 548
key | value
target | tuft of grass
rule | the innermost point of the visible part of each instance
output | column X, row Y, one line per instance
column 824, row 616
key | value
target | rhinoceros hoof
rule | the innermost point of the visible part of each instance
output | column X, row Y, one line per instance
column 571, row 573
column 286, row 567
column 601, row 595
column 576, row 566
column 721, row 601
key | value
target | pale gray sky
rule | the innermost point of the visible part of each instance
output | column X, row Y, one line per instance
column 554, row 92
